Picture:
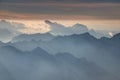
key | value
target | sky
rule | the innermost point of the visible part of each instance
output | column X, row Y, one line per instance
column 97, row 14
column 60, row 9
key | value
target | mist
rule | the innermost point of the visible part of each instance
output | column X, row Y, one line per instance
column 63, row 53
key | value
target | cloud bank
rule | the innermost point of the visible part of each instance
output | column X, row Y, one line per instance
column 59, row 29
column 9, row 30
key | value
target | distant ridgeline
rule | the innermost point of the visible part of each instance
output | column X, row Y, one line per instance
column 69, row 57
column 18, row 31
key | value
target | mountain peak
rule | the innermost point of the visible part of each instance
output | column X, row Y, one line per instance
column 116, row 36
column 39, row 50
column 36, row 37
column 11, row 48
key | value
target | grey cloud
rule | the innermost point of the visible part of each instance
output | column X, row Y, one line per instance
column 8, row 30
column 97, row 11
column 59, row 29
column 5, row 35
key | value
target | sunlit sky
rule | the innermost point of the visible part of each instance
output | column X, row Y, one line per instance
column 96, row 14
column 112, row 25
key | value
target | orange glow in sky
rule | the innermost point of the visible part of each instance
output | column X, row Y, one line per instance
column 39, row 25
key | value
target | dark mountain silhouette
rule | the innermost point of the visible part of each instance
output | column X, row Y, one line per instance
column 39, row 64
column 1, row 43
column 5, row 73
column 77, row 56
column 36, row 37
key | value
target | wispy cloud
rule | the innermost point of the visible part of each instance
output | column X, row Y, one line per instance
column 60, row 10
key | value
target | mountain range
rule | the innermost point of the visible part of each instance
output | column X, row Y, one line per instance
column 39, row 64
column 102, row 52
column 60, row 57
column 10, row 30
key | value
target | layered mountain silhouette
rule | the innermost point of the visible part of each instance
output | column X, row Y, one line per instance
column 17, row 31
column 39, row 64
column 4, row 73
column 104, row 51
column 68, row 57
column 71, row 41
column 36, row 37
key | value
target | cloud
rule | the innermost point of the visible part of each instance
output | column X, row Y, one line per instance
column 59, row 29
column 8, row 30
column 46, row 10
column 5, row 34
